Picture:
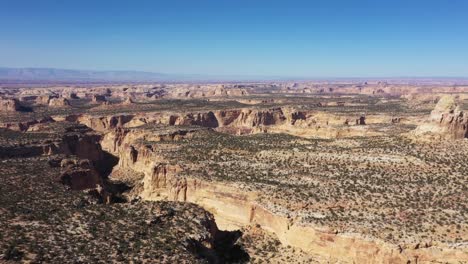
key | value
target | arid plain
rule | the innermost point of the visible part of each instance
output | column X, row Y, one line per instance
column 268, row 172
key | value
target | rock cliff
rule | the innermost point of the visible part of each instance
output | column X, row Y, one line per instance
column 161, row 180
column 74, row 140
column 59, row 102
column 102, row 123
column 206, row 91
column 312, row 124
column 80, row 174
column 9, row 105
column 447, row 121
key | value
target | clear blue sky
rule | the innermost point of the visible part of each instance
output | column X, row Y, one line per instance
column 323, row 38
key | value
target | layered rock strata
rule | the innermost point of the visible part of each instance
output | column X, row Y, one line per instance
column 447, row 120
column 234, row 209
column 245, row 121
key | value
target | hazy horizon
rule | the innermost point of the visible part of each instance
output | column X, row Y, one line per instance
column 252, row 74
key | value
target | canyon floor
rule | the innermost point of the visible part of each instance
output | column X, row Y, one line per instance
column 281, row 172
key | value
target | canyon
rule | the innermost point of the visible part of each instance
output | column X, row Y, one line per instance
column 234, row 209
column 343, row 175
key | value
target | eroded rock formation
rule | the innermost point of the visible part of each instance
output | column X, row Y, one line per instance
column 234, row 209
column 45, row 99
column 447, row 120
column 59, row 102
column 206, row 91
column 245, row 121
column 79, row 174
column 103, row 123
column 9, row 105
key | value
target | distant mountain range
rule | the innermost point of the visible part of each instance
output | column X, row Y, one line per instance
column 40, row 75
column 67, row 75
column 51, row 74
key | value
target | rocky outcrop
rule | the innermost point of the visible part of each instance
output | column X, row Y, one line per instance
column 53, row 100
column 74, row 148
column 206, row 91
column 254, row 118
column 24, row 151
column 82, row 145
column 199, row 119
column 9, row 105
column 288, row 120
column 104, row 123
column 26, row 125
column 75, row 141
column 161, row 178
column 274, row 120
column 45, row 99
column 120, row 141
column 245, row 121
column 447, row 120
column 80, row 174
column 59, row 102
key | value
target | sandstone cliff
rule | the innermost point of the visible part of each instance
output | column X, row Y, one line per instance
column 45, row 99
column 206, row 91
column 446, row 121
column 160, row 180
column 27, row 124
column 80, row 174
column 312, row 124
column 74, row 140
column 59, row 102
column 9, row 105
column 102, row 123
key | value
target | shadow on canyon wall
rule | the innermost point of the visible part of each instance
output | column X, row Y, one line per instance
column 225, row 249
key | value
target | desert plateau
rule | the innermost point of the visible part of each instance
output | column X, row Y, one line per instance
column 268, row 172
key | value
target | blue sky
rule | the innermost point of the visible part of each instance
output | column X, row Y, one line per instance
column 328, row 38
